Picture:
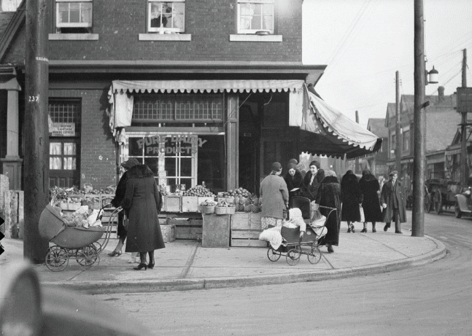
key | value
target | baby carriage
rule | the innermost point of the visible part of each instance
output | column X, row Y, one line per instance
column 85, row 244
column 293, row 246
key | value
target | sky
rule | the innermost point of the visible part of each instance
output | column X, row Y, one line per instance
column 364, row 42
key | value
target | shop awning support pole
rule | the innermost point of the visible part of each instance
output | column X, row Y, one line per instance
column 419, row 164
column 36, row 181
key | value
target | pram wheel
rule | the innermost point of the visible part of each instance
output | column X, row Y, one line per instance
column 87, row 256
column 314, row 256
column 57, row 258
column 273, row 255
column 293, row 256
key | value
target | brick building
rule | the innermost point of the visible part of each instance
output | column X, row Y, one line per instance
column 210, row 90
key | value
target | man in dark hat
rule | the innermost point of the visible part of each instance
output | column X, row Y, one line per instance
column 116, row 202
column 392, row 199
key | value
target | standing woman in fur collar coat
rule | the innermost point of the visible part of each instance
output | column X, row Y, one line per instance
column 329, row 195
column 311, row 181
column 142, row 204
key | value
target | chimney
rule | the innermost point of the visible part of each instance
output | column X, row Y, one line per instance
column 441, row 93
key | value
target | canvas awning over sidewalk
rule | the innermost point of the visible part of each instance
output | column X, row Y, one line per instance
column 324, row 130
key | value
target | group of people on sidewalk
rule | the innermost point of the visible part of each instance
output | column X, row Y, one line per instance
column 350, row 197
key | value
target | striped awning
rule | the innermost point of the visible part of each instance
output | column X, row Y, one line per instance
column 206, row 86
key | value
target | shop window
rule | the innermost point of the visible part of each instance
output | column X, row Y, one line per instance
column 166, row 17
column 74, row 17
column 178, row 108
column 180, row 160
column 255, row 16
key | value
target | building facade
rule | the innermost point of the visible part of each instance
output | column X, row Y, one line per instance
column 200, row 91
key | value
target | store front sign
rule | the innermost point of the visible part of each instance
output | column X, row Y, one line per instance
column 62, row 129
column 184, row 144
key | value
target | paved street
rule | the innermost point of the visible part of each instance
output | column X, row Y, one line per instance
column 433, row 299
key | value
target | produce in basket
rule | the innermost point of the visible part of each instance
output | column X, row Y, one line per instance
column 199, row 191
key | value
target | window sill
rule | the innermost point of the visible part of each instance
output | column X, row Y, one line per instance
column 255, row 38
column 165, row 37
column 73, row 37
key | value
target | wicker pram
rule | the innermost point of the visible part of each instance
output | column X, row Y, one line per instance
column 85, row 244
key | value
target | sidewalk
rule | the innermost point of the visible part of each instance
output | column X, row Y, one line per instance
column 185, row 265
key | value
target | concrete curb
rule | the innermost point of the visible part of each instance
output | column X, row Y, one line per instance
column 104, row 287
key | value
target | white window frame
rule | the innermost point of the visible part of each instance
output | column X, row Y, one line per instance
column 161, row 29
column 250, row 30
column 163, row 177
column 60, row 24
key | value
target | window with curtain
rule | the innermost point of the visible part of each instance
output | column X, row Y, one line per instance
column 255, row 16
column 166, row 17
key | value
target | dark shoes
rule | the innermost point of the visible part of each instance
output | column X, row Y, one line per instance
column 330, row 249
column 141, row 266
column 374, row 230
column 150, row 265
column 386, row 227
column 364, row 230
column 350, row 228
column 114, row 254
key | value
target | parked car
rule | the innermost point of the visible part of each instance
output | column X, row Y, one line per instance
column 463, row 204
column 28, row 309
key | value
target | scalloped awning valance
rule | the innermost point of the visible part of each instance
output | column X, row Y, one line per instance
column 202, row 86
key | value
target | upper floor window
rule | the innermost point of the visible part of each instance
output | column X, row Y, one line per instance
column 74, row 16
column 406, row 141
column 255, row 16
column 166, row 17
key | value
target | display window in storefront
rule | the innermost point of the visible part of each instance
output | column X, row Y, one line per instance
column 180, row 161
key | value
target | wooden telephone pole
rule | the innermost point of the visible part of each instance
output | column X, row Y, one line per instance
column 419, row 164
column 464, row 174
column 36, row 182
column 398, row 143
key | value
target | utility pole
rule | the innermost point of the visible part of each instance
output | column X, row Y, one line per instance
column 36, row 183
column 398, row 143
column 464, row 175
column 419, row 164
column 356, row 167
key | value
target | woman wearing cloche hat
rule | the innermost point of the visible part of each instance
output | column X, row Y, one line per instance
column 274, row 198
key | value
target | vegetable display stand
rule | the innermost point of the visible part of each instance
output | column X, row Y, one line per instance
column 216, row 230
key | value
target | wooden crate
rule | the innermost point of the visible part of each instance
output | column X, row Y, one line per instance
column 245, row 230
column 190, row 204
column 168, row 233
column 172, row 203
column 187, row 228
column 246, row 221
column 216, row 231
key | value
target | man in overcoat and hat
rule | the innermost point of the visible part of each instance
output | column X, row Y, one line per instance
column 392, row 199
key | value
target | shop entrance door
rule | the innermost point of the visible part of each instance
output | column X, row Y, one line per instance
column 63, row 159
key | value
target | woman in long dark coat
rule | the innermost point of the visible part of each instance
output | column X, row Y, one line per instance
column 351, row 199
column 329, row 195
column 116, row 202
column 370, row 189
column 311, row 181
column 294, row 179
column 142, row 203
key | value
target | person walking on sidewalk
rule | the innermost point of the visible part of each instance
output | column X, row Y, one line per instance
column 351, row 199
column 142, row 202
column 116, row 202
column 393, row 202
column 370, row 189
column 329, row 195
column 274, row 198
